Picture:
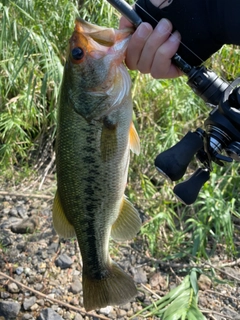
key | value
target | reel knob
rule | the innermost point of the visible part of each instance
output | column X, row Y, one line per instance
column 187, row 191
column 173, row 163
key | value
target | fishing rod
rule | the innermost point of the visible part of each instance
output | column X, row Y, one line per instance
column 222, row 127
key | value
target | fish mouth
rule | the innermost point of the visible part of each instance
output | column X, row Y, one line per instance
column 104, row 36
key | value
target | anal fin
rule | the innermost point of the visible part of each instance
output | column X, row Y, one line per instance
column 128, row 222
column 61, row 224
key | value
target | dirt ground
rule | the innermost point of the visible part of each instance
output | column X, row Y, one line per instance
column 30, row 276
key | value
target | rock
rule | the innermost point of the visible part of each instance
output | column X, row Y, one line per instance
column 76, row 287
column 112, row 315
column 34, row 307
column 22, row 212
column 53, row 248
column 10, row 221
column 9, row 309
column 140, row 296
column 126, row 306
column 19, row 270
column 27, row 316
column 27, row 225
column 44, row 254
column 4, row 295
column 6, row 241
column 140, row 276
column 64, row 261
column 121, row 313
column 204, row 282
column 49, row 314
column 38, row 286
column 27, row 271
column 230, row 313
column 6, row 211
column 78, row 317
column 106, row 310
column 13, row 212
column 29, row 302
column 158, row 280
column 12, row 287
column 40, row 302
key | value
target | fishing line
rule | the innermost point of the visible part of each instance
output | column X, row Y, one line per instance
column 155, row 20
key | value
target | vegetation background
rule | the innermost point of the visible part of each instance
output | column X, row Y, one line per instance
column 33, row 42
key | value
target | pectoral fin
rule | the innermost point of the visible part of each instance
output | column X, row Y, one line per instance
column 134, row 140
column 60, row 222
column 127, row 224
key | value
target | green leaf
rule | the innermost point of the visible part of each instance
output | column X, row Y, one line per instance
column 193, row 281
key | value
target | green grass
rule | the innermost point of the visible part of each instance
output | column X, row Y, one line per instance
column 34, row 36
column 179, row 304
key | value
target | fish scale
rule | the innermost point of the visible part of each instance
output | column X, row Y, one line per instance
column 94, row 137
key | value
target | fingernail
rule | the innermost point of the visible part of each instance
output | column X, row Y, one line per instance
column 163, row 26
column 144, row 30
column 175, row 37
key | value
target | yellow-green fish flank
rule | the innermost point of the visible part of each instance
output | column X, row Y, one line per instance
column 94, row 138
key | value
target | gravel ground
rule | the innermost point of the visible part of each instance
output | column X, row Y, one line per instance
column 47, row 270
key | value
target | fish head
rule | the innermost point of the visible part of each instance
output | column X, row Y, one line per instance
column 94, row 72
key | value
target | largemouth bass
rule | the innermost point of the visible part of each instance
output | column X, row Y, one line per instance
column 94, row 138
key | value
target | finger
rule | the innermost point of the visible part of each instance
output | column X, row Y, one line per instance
column 162, row 66
column 136, row 45
column 159, row 35
column 124, row 23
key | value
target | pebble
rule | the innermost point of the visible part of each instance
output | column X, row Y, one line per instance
column 19, row 270
column 64, row 261
column 230, row 313
column 49, row 314
column 38, row 286
column 30, row 260
column 53, row 248
column 126, row 306
column 6, row 241
column 4, row 294
column 9, row 309
column 76, row 287
column 204, row 282
column 106, row 310
column 12, row 287
column 156, row 280
column 121, row 313
column 13, row 212
column 27, row 271
column 22, row 212
column 27, row 316
column 140, row 275
column 27, row 225
column 29, row 302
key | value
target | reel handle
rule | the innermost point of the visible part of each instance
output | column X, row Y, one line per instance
column 187, row 191
column 173, row 163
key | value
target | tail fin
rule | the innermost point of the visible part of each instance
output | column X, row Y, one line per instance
column 118, row 288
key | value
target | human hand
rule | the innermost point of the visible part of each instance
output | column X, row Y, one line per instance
column 150, row 51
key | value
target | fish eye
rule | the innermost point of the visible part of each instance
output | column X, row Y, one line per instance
column 77, row 53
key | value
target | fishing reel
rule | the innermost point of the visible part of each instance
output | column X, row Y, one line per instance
column 218, row 142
